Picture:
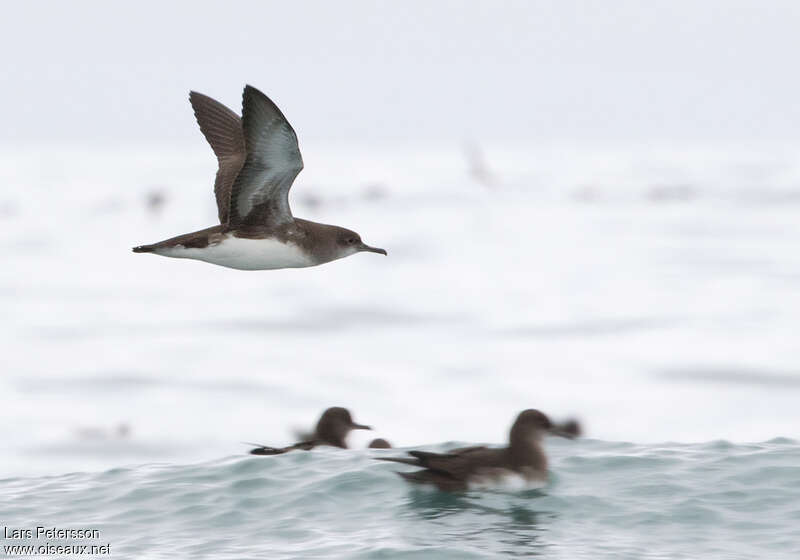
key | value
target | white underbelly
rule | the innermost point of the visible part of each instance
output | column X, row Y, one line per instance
column 507, row 480
column 245, row 254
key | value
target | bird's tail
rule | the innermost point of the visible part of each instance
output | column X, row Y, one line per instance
column 144, row 249
column 267, row 450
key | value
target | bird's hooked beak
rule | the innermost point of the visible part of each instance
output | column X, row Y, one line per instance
column 569, row 429
column 365, row 247
column 355, row 426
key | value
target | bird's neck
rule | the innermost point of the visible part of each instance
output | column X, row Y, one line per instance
column 526, row 451
column 332, row 438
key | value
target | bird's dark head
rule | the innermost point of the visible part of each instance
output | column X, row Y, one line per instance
column 532, row 423
column 533, row 419
column 349, row 242
column 379, row 443
column 334, row 425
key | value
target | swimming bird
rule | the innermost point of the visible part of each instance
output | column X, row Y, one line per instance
column 332, row 429
column 379, row 443
column 478, row 466
column 258, row 160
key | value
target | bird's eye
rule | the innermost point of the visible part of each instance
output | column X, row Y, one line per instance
column 351, row 240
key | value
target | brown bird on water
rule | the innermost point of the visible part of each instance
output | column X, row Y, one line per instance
column 332, row 429
column 462, row 468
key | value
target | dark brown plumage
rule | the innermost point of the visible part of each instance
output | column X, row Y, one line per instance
column 223, row 131
column 331, row 429
column 459, row 468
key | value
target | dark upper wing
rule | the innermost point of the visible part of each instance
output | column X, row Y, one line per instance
column 464, row 450
column 223, row 130
column 260, row 192
column 457, row 464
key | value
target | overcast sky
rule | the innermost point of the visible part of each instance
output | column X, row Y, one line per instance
column 107, row 73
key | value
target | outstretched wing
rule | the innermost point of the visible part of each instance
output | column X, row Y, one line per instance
column 260, row 193
column 223, row 130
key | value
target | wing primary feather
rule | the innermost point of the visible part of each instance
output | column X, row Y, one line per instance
column 222, row 129
column 260, row 193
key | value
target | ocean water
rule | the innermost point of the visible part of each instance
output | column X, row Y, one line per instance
column 604, row 500
column 652, row 294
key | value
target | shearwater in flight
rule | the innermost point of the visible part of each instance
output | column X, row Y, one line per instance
column 258, row 161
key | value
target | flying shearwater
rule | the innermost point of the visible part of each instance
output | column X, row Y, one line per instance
column 332, row 429
column 461, row 469
column 258, row 160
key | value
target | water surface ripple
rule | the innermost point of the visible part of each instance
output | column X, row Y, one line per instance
column 605, row 500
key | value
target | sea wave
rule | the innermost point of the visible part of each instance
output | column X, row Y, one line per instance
column 604, row 500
